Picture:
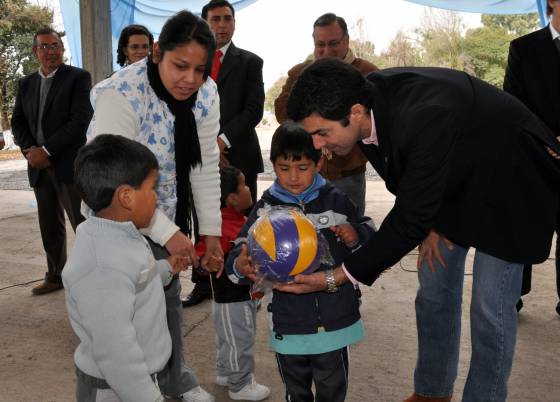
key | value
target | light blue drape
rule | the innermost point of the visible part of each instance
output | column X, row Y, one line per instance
column 491, row 6
column 150, row 13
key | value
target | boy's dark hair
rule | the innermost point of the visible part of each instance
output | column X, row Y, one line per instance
column 183, row 28
column 329, row 87
column 292, row 142
column 126, row 33
column 212, row 4
column 229, row 182
column 108, row 162
column 328, row 19
column 45, row 31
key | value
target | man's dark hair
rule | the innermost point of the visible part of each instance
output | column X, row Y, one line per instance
column 212, row 4
column 328, row 19
column 292, row 142
column 183, row 28
column 108, row 162
column 229, row 182
column 329, row 87
column 45, row 31
column 549, row 9
column 126, row 33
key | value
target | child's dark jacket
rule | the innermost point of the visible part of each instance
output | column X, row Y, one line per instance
column 308, row 313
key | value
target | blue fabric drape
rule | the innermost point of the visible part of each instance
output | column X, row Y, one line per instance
column 151, row 13
column 491, row 6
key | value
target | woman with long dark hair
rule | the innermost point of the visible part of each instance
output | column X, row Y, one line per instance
column 169, row 104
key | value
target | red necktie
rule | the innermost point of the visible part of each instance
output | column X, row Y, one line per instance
column 216, row 65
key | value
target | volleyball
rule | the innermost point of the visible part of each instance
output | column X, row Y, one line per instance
column 284, row 243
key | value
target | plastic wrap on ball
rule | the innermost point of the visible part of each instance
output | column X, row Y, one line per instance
column 284, row 243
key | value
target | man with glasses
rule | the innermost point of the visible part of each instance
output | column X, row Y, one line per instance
column 49, row 123
column 347, row 172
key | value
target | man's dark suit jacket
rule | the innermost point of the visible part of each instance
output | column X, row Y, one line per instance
column 66, row 117
column 241, row 89
column 463, row 158
column 533, row 75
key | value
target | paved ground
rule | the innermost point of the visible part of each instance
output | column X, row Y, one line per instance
column 36, row 341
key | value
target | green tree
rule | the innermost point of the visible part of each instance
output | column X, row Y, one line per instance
column 486, row 50
column 515, row 24
column 441, row 39
column 401, row 52
column 18, row 23
column 273, row 92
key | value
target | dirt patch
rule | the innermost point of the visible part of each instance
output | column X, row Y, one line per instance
column 10, row 154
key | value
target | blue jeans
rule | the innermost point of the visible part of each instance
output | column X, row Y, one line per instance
column 496, row 289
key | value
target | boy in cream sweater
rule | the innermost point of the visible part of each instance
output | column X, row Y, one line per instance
column 113, row 284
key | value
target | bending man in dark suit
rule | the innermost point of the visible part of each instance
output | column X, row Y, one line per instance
column 49, row 123
column 533, row 76
column 331, row 39
column 470, row 167
column 238, row 74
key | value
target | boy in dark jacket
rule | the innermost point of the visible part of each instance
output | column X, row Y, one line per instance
column 311, row 332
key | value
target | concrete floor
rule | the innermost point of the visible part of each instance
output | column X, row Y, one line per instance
column 36, row 341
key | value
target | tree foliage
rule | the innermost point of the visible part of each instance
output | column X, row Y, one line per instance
column 401, row 52
column 273, row 93
column 515, row 25
column 18, row 23
column 441, row 39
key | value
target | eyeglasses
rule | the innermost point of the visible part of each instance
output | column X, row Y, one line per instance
column 330, row 44
column 55, row 47
column 138, row 47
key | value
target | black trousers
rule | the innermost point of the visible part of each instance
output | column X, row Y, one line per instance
column 53, row 198
column 329, row 372
column 528, row 269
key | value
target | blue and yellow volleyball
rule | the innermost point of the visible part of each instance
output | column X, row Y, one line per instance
column 283, row 244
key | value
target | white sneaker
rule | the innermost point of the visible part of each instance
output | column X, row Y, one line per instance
column 251, row 392
column 197, row 394
column 221, row 380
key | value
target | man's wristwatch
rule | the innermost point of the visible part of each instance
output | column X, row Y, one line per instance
column 331, row 282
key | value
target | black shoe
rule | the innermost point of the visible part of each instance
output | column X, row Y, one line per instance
column 519, row 305
column 558, row 308
column 198, row 295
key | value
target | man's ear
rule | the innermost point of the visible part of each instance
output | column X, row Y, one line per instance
column 125, row 196
column 156, row 53
column 357, row 113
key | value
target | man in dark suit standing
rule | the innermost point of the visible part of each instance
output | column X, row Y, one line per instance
column 49, row 123
column 238, row 74
column 533, row 76
column 470, row 166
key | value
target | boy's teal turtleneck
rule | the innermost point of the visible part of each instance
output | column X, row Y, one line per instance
column 307, row 195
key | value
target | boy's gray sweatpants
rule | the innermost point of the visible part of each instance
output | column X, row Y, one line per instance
column 235, row 325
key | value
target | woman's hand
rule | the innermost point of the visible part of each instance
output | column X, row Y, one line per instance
column 181, row 245
column 214, row 256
